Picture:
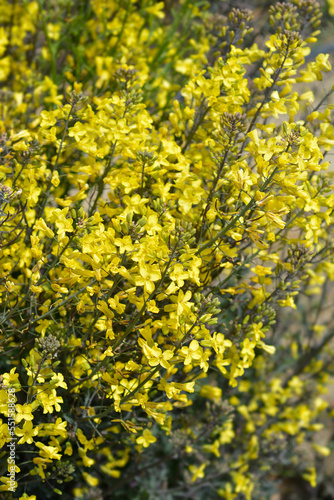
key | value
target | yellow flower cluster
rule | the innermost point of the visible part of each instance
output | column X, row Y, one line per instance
column 163, row 195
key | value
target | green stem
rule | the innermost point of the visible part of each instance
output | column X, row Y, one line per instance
column 149, row 377
column 214, row 186
column 200, row 115
column 138, row 316
column 46, row 196
column 135, row 320
column 29, row 396
column 63, row 302
column 266, row 94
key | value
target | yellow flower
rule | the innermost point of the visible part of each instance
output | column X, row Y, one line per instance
column 181, row 303
column 311, row 476
column 50, row 400
column 27, row 432
column 49, row 118
column 148, row 274
column 23, row 412
column 146, row 438
column 155, row 355
column 40, row 225
column 210, row 392
column 213, row 448
column 156, row 9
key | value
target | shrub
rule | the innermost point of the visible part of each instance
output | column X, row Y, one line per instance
column 166, row 249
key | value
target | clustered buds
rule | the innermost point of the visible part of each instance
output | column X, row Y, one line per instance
column 238, row 23
column 3, row 141
column 310, row 14
column 7, row 195
column 126, row 82
column 146, row 157
column 4, row 149
column 220, row 411
column 31, row 151
column 161, row 206
column 298, row 255
column 290, row 41
column 63, row 471
column 48, row 346
column 283, row 16
column 266, row 313
column 180, row 440
column 75, row 98
column 227, row 30
column 239, row 17
column 300, row 15
column 128, row 226
column 208, row 306
column 125, row 77
column 293, row 138
column 184, row 231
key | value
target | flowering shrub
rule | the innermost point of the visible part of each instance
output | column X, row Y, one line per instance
column 166, row 248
